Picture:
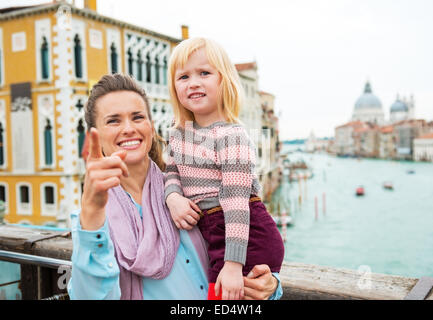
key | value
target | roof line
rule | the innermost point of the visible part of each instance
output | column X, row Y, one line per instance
column 26, row 11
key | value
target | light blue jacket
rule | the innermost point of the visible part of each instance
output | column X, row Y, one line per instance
column 95, row 272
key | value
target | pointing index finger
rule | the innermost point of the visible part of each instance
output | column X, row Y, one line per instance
column 95, row 151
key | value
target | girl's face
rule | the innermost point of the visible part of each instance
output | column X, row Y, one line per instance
column 197, row 85
column 123, row 124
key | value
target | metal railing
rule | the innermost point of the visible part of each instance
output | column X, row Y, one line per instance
column 38, row 275
column 21, row 258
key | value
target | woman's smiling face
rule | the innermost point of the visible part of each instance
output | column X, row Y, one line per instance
column 123, row 123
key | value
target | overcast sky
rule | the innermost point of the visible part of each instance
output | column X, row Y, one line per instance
column 313, row 55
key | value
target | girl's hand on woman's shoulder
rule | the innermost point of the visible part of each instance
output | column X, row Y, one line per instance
column 102, row 173
column 183, row 211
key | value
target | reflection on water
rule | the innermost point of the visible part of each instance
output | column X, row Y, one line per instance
column 391, row 231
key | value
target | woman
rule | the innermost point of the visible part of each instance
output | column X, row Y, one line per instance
column 125, row 245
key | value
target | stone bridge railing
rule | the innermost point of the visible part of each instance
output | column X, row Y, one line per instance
column 40, row 280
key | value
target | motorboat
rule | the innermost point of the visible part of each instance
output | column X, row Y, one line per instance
column 360, row 191
column 388, row 185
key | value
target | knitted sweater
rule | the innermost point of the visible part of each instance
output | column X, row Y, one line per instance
column 214, row 166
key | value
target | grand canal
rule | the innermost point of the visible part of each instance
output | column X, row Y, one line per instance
column 385, row 231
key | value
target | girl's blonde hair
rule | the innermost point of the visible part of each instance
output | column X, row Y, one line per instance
column 229, row 92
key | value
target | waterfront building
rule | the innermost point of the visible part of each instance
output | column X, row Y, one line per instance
column 344, row 144
column 423, row 148
column 387, row 145
column 366, row 140
column 368, row 107
column 251, row 111
column 50, row 55
column 251, row 117
column 313, row 144
column 376, row 136
column 310, row 143
column 406, row 131
column 270, row 179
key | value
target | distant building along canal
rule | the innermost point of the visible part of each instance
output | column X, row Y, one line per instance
column 386, row 231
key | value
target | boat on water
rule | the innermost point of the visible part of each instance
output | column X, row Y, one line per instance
column 410, row 171
column 360, row 191
column 388, row 185
column 300, row 174
column 298, row 170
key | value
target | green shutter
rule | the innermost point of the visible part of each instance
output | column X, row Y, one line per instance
column 81, row 137
column 78, row 57
column 48, row 144
column 113, row 56
column 2, row 159
column 44, row 59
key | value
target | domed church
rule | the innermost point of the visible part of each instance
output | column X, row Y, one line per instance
column 402, row 110
column 368, row 107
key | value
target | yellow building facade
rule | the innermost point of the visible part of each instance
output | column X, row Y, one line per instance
column 50, row 56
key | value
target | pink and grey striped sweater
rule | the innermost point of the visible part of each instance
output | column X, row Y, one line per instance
column 214, row 166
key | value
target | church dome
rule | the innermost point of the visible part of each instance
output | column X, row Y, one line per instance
column 399, row 106
column 368, row 100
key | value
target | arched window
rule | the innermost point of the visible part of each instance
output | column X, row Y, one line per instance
column 139, row 66
column 79, row 105
column 24, row 198
column 113, row 56
column 77, row 57
column 44, row 58
column 148, row 69
column 48, row 193
column 164, row 73
column 130, row 62
column 81, row 137
column 2, row 153
column 48, row 144
column 156, row 70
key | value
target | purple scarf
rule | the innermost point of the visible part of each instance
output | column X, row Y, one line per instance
column 144, row 247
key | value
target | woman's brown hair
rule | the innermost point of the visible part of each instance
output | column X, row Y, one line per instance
column 120, row 82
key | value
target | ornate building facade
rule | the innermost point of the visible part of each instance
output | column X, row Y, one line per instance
column 50, row 56
column 368, row 134
column 257, row 115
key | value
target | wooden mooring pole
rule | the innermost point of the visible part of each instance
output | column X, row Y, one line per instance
column 316, row 209
column 324, row 203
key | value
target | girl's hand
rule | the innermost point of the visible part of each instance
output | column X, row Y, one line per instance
column 230, row 281
column 183, row 211
column 102, row 173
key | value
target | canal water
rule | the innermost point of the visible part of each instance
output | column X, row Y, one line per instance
column 384, row 231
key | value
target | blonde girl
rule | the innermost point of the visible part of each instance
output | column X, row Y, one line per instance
column 210, row 179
